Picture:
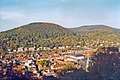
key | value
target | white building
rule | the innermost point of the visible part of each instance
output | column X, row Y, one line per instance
column 61, row 47
column 31, row 49
column 77, row 56
column 20, row 49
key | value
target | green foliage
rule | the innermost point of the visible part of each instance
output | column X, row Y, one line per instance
column 53, row 35
column 35, row 34
column 43, row 63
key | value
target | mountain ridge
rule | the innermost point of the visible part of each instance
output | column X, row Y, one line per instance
column 73, row 29
column 94, row 27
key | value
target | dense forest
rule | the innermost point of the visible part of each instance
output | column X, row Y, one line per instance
column 98, row 32
column 53, row 35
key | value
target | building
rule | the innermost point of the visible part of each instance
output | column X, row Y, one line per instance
column 20, row 49
column 77, row 56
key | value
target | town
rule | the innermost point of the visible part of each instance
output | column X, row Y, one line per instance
column 32, row 64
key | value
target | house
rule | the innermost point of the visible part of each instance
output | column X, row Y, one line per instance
column 61, row 47
column 31, row 49
column 55, row 48
column 70, row 59
column 77, row 56
column 76, row 59
column 20, row 49
column 21, row 55
column 26, row 49
column 101, row 44
column 41, row 48
column 28, row 62
column 57, row 66
column 78, row 46
column 9, row 50
column 46, row 48
column 68, row 46
column 38, row 49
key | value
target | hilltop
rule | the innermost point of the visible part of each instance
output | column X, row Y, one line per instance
column 95, row 29
column 41, row 29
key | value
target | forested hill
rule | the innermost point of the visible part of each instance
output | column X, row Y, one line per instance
column 53, row 35
column 37, row 34
column 101, row 32
column 40, row 30
column 96, row 29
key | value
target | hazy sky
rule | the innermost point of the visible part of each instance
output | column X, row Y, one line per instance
column 68, row 13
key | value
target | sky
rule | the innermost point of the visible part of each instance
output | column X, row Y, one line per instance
column 68, row 13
